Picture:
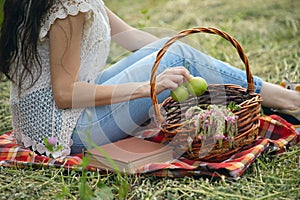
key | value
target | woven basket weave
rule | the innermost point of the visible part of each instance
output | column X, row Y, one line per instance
column 169, row 114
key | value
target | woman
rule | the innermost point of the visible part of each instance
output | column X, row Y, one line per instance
column 53, row 51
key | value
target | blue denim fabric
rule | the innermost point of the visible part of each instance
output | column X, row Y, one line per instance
column 104, row 124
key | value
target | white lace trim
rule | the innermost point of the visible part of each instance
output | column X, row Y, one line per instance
column 36, row 142
column 61, row 10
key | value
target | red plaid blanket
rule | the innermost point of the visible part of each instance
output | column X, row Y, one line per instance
column 275, row 135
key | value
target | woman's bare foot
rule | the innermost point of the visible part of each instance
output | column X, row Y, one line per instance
column 275, row 96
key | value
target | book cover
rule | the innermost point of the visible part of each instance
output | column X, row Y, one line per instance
column 129, row 154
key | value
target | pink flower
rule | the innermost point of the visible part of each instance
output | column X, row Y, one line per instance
column 206, row 123
column 52, row 141
column 189, row 140
column 204, row 115
column 230, row 119
column 197, row 120
column 219, row 137
column 200, row 137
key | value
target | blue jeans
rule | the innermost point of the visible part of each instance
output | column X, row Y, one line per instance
column 104, row 124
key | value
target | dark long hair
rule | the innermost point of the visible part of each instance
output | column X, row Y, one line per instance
column 19, row 36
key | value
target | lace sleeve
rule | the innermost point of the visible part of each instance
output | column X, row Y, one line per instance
column 60, row 10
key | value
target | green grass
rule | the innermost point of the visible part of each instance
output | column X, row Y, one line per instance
column 269, row 32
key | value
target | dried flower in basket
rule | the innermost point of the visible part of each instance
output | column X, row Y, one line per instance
column 216, row 123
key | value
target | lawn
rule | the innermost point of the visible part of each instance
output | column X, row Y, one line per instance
column 269, row 32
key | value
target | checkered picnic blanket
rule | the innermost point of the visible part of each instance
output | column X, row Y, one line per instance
column 276, row 135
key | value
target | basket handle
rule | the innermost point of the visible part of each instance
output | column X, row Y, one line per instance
column 182, row 34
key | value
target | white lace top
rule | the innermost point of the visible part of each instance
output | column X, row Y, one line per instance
column 34, row 114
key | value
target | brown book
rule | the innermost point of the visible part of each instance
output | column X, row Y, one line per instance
column 130, row 154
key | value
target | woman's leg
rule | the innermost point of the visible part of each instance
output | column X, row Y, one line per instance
column 275, row 96
column 129, row 60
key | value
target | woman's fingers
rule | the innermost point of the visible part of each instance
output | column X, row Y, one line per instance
column 169, row 81
column 180, row 70
column 171, row 78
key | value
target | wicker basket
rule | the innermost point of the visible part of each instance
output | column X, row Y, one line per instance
column 169, row 114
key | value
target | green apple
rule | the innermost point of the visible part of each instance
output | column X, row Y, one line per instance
column 180, row 94
column 197, row 86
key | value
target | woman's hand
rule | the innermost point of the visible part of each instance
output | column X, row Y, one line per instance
column 171, row 78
